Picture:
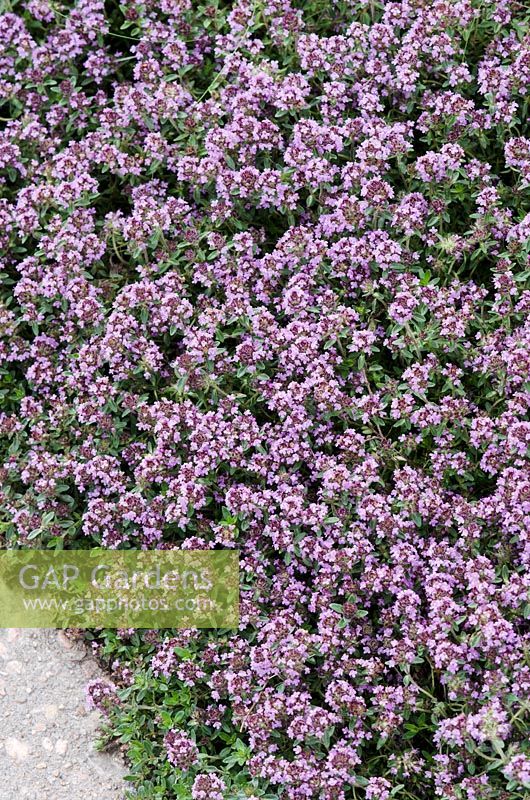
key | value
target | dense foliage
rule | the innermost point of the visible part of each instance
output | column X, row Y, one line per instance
column 265, row 285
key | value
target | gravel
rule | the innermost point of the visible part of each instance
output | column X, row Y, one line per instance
column 46, row 734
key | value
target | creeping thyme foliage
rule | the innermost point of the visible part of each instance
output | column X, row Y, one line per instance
column 266, row 286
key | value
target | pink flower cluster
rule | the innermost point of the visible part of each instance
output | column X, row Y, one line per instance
column 181, row 750
column 266, row 286
column 100, row 695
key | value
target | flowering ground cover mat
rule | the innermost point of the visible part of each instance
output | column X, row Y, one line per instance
column 265, row 286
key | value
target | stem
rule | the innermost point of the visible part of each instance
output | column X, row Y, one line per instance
column 414, row 340
column 522, row 710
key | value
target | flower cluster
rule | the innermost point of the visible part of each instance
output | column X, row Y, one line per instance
column 266, row 286
column 100, row 695
column 181, row 750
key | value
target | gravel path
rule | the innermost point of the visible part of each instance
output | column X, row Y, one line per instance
column 46, row 734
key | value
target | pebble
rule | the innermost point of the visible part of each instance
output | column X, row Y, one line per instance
column 16, row 748
column 50, row 712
